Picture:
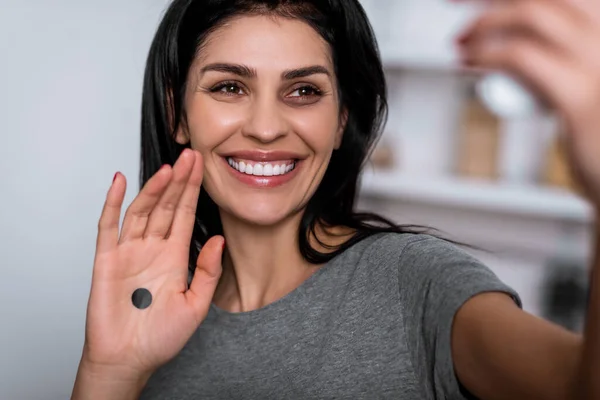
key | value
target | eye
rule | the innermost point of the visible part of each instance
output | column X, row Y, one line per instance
column 306, row 91
column 228, row 89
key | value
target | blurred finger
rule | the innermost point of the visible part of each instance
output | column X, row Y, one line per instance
column 206, row 276
column 108, row 225
column 553, row 77
column 161, row 217
column 585, row 10
column 542, row 20
column 136, row 216
column 589, row 9
column 185, row 214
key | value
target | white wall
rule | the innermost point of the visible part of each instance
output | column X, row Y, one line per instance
column 70, row 87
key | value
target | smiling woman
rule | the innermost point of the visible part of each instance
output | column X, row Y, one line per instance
column 261, row 93
column 257, row 118
column 262, row 96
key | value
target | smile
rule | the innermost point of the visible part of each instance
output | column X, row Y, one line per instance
column 272, row 168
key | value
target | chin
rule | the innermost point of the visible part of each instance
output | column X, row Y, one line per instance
column 264, row 215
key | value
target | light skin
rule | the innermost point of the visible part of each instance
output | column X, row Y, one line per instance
column 499, row 351
column 259, row 92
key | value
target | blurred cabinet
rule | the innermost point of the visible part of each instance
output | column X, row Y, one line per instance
column 520, row 204
column 419, row 33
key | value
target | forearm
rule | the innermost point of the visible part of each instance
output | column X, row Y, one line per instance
column 590, row 360
column 93, row 383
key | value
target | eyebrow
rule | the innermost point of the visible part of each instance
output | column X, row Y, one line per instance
column 247, row 72
column 235, row 69
column 304, row 72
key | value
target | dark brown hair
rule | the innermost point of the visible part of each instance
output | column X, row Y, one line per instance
column 343, row 24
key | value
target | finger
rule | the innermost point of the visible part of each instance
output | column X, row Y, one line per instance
column 542, row 20
column 108, row 225
column 589, row 9
column 137, row 214
column 585, row 8
column 206, row 277
column 185, row 214
column 557, row 80
column 161, row 217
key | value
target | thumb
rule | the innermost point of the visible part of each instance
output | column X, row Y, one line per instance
column 206, row 276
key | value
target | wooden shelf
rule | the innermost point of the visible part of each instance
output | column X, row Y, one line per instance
column 533, row 201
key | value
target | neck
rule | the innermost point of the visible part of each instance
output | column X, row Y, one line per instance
column 262, row 264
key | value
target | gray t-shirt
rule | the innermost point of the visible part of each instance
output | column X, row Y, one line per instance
column 373, row 323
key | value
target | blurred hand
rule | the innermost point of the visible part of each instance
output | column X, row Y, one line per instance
column 553, row 46
column 151, row 252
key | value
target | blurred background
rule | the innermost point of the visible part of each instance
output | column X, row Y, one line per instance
column 462, row 152
column 473, row 155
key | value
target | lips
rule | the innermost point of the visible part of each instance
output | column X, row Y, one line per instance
column 273, row 168
column 264, row 156
column 263, row 169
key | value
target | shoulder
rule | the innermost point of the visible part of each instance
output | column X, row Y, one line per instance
column 381, row 248
column 423, row 259
column 390, row 253
column 431, row 269
column 396, row 248
column 416, row 261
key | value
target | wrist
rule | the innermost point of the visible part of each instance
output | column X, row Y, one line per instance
column 112, row 371
column 108, row 382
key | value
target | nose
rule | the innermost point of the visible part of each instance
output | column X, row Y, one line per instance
column 266, row 121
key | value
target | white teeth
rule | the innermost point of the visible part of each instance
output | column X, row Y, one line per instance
column 261, row 169
column 268, row 170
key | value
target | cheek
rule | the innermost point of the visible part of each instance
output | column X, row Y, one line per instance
column 210, row 123
column 318, row 127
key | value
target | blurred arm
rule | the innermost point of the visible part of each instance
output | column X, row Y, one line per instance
column 502, row 352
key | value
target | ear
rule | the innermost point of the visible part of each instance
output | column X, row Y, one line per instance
column 181, row 136
column 339, row 135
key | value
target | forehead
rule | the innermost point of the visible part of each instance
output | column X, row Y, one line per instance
column 266, row 43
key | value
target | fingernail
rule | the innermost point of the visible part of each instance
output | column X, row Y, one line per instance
column 115, row 177
column 463, row 39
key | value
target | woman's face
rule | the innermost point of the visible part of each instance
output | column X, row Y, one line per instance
column 263, row 110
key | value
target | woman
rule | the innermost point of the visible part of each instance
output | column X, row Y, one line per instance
column 272, row 106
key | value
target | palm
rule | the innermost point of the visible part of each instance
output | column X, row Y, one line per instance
column 145, row 256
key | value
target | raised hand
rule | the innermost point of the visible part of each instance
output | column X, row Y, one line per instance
column 150, row 252
column 553, row 46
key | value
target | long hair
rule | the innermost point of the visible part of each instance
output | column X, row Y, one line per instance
column 343, row 24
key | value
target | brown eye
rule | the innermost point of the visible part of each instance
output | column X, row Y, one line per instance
column 305, row 91
column 231, row 89
column 228, row 88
